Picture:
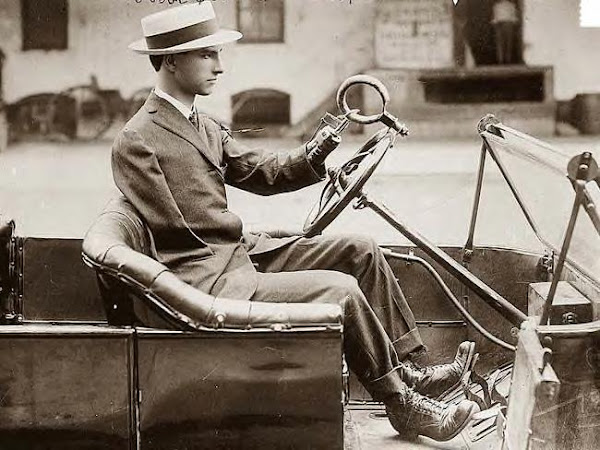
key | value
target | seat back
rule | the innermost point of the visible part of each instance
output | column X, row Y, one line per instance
column 139, row 290
column 121, row 229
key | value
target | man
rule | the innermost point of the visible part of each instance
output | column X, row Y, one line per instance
column 172, row 164
column 504, row 21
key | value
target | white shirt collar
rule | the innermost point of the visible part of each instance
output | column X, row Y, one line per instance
column 181, row 107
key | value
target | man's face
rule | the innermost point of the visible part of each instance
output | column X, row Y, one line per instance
column 196, row 72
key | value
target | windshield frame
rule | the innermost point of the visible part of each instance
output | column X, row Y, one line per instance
column 491, row 130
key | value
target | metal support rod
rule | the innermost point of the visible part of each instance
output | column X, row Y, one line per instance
column 468, row 249
column 495, row 300
column 450, row 296
column 591, row 209
column 516, row 194
column 441, row 323
column 579, row 185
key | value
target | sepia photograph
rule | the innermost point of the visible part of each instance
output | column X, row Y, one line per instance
column 299, row 224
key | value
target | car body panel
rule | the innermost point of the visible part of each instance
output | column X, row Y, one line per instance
column 71, row 383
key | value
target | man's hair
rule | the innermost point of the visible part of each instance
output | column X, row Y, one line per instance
column 156, row 61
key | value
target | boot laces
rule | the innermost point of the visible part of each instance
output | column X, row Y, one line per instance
column 426, row 405
column 430, row 370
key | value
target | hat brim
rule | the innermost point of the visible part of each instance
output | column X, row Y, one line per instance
column 220, row 37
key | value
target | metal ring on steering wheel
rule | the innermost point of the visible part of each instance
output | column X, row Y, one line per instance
column 369, row 81
column 347, row 181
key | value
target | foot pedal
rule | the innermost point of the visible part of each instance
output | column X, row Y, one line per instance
column 471, row 381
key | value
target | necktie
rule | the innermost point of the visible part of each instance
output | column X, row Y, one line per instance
column 193, row 118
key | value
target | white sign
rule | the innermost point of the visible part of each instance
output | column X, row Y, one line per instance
column 414, row 34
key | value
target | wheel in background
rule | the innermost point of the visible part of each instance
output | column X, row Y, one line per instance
column 136, row 101
column 80, row 113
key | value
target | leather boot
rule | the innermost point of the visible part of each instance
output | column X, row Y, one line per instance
column 433, row 381
column 412, row 414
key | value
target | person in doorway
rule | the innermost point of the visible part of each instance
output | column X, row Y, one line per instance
column 505, row 20
column 172, row 164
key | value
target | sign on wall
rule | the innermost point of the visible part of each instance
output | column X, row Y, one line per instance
column 414, row 34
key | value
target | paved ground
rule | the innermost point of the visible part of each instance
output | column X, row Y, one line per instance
column 56, row 189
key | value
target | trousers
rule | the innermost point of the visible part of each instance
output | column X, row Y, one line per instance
column 505, row 38
column 379, row 326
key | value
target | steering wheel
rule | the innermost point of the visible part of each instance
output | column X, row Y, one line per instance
column 346, row 181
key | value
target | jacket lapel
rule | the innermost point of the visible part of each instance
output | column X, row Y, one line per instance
column 168, row 117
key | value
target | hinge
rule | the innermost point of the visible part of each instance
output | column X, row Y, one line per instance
column 12, row 281
column 10, row 267
column 467, row 256
column 546, row 264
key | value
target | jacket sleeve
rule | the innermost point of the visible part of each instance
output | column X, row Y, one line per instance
column 267, row 173
column 138, row 175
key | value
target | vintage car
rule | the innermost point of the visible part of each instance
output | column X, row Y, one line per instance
column 113, row 351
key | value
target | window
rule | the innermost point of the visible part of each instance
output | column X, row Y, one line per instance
column 261, row 20
column 44, row 24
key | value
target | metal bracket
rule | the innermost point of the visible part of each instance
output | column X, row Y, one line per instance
column 331, row 120
column 581, row 169
column 345, row 381
column 546, row 359
column 546, row 262
column 547, row 390
column 467, row 256
column 569, row 318
column 468, row 248
column 11, row 277
column 361, row 201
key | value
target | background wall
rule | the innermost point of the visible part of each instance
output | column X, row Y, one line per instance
column 325, row 41
column 552, row 36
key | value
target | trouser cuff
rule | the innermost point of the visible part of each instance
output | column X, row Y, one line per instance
column 409, row 342
column 386, row 386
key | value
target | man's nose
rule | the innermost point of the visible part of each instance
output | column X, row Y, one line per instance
column 218, row 68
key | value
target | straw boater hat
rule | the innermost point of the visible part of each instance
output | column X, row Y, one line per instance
column 182, row 29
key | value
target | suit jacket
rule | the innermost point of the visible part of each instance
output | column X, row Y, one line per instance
column 175, row 176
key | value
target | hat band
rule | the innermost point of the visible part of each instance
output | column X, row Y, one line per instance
column 183, row 35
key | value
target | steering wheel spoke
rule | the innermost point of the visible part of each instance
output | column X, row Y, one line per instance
column 346, row 182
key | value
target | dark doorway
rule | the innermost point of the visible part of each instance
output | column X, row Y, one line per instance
column 260, row 107
column 473, row 26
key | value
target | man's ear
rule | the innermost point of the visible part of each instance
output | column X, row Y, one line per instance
column 169, row 63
